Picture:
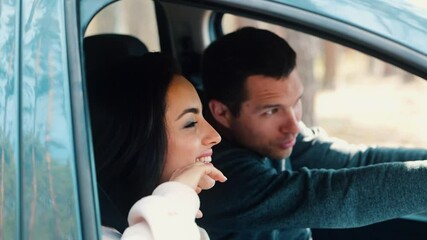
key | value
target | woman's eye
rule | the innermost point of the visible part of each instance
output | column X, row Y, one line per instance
column 190, row 124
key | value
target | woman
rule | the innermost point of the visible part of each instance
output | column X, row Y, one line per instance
column 148, row 129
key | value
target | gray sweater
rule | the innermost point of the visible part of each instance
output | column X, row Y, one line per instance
column 326, row 183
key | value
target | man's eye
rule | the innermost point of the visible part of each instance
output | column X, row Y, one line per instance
column 271, row 111
column 190, row 124
column 298, row 102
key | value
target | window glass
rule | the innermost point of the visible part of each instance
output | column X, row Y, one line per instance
column 9, row 140
column 351, row 95
column 49, row 197
column 390, row 19
column 131, row 17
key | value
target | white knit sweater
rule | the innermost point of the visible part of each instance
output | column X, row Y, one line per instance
column 169, row 213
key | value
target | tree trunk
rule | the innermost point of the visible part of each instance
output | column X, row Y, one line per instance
column 330, row 52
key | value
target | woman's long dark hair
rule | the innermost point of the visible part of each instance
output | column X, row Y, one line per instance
column 127, row 110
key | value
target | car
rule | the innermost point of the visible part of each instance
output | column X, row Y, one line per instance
column 48, row 184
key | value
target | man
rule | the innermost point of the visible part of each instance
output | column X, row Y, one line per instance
column 284, row 178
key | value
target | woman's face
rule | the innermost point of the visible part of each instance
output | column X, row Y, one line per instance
column 190, row 136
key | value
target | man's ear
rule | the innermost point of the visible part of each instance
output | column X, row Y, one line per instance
column 220, row 113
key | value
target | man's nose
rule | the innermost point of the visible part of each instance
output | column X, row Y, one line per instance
column 290, row 123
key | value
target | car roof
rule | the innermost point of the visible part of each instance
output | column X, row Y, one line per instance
column 401, row 21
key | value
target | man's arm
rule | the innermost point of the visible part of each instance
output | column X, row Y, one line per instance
column 315, row 149
column 258, row 197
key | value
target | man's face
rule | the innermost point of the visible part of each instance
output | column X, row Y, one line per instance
column 268, row 119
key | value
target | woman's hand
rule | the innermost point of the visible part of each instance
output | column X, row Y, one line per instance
column 199, row 176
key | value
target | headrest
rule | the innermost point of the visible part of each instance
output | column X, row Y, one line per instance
column 104, row 50
column 114, row 45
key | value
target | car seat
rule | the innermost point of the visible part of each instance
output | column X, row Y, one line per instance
column 101, row 52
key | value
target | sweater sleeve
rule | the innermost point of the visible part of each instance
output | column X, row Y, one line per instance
column 169, row 213
column 315, row 149
column 258, row 197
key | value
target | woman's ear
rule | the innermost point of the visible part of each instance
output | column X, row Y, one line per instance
column 220, row 113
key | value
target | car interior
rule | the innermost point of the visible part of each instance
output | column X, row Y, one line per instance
column 184, row 32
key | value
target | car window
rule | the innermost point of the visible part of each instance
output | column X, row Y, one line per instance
column 38, row 187
column 9, row 165
column 351, row 95
column 48, row 177
column 130, row 17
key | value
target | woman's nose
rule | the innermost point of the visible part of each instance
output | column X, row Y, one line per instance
column 212, row 137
